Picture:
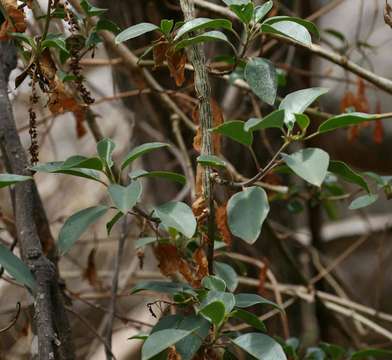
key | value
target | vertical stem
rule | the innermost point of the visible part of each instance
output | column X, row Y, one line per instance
column 203, row 91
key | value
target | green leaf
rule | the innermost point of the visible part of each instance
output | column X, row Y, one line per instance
column 90, row 9
column 272, row 120
column 226, row 273
column 345, row 120
column 161, row 340
column 58, row 168
column 260, row 346
column 346, row 173
column 249, row 318
column 303, row 122
column 234, row 129
column 113, row 221
column 366, row 353
column 165, row 287
column 82, row 162
column 105, row 24
column 125, row 198
column 105, row 149
column 202, row 23
column 262, row 10
column 135, row 31
column 11, row 179
column 298, row 101
column 334, row 352
column 140, row 336
column 179, row 216
column 215, row 312
column 306, row 23
column 55, row 41
column 76, row 225
column 363, row 201
column 226, row 298
column 181, row 179
column 211, row 160
column 203, row 38
column 261, row 76
column 188, row 346
column 17, row 268
column 141, row 150
column 236, row 2
column 245, row 12
column 310, row 164
column 246, row 212
column 289, row 29
column 315, row 353
column 245, row 300
column 213, row 283
column 166, row 26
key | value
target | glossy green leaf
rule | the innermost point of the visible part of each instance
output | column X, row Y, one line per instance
column 311, row 27
column 211, row 160
column 310, row 164
column 105, row 149
column 202, row 23
column 363, row 201
column 345, row 120
column 249, row 318
column 17, row 268
column 140, row 336
column 168, row 175
column 90, row 9
column 246, row 212
column 135, row 31
column 226, row 298
column 167, row 26
column 346, row 173
column 11, row 179
column 226, row 273
column 245, row 300
column 334, row 352
column 203, row 38
column 260, row 346
column 371, row 353
column 76, row 225
column 161, row 340
column 289, row 29
column 125, row 197
column 234, row 129
column 188, row 346
column 261, row 76
column 273, row 120
column 58, row 168
column 55, row 41
column 236, row 2
column 142, row 150
column 213, row 283
column 115, row 219
column 245, row 12
column 262, row 10
column 215, row 312
column 81, row 162
column 177, row 215
column 297, row 102
column 303, row 122
column 165, row 287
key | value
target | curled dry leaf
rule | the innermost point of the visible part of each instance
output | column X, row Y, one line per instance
column 222, row 225
column 90, row 273
column 176, row 61
column 173, row 354
column 159, row 53
column 60, row 100
column 15, row 19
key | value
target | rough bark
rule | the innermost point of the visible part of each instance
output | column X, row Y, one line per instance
column 50, row 320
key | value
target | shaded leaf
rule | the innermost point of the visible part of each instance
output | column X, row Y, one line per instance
column 366, row 353
column 215, row 312
column 76, row 225
column 249, row 318
column 179, row 216
column 213, row 283
column 165, row 287
column 11, row 179
column 245, row 300
column 227, row 273
column 345, row 172
column 310, row 164
column 141, row 150
column 17, row 268
column 345, row 120
column 234, row 129
column 247, row 211
column 262, row 10
column 203, row 38
column 273, row 120
column 211, row 160
column 105, row 149
column 261, row 76
column 181, row 179
column 135, row 31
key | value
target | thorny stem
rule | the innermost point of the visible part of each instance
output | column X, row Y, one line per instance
column 203, row 90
